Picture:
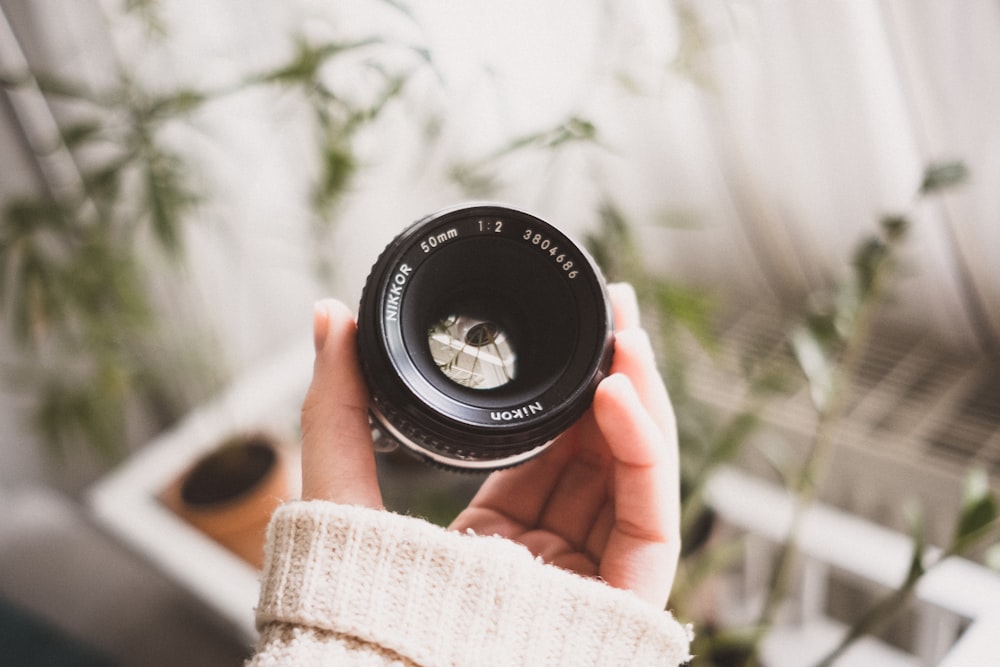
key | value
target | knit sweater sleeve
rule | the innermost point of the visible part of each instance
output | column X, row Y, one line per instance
column 353, row 586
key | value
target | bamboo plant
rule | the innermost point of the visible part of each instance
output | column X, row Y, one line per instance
column 822, row 350
column 75, row 284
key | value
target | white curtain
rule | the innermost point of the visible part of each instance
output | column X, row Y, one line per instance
column 753, row 141
column 785, row 128
column 827, row 113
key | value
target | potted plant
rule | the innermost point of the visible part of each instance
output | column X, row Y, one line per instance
column 230, row 493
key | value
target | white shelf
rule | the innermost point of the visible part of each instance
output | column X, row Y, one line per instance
column 125, row 501
column 828, row 538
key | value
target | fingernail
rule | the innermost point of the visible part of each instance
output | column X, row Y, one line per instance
column 626, row 302
column 321, row 324
column 619, row 380
column 639, row 341
column 624, row 290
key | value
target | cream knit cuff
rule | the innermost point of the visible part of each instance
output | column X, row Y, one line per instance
column 438, row 597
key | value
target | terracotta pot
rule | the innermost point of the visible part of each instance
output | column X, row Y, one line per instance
column 230, row 493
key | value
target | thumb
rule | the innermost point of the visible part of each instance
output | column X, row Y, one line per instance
column 338, row 461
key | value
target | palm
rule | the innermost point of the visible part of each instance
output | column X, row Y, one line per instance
column 558, row 505
column 603, row 500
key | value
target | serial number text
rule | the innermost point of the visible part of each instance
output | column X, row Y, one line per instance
column 546, row 245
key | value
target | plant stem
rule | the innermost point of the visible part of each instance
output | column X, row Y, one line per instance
column 807, row 485
column 874, row 617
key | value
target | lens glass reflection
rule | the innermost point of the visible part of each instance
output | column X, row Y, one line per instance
column 472, row 352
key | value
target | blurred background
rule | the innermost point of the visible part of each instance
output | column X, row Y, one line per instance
column 804, row 194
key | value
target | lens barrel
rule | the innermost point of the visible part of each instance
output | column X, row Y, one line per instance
column 483, row 332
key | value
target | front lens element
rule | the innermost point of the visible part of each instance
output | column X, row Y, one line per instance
column 472, row 352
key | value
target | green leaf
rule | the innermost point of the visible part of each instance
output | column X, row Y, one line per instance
column 167, row 197
column 305, row 64
column 770, row 377
column 691, row 308
column 918, row 534
column 979, row 512
column 941, row 175
column 992, row 557
column 848, row 304
column 474, row 180
column 811, row 355
column 37, row 305
column 177, row 103
column 80, row 133
column 150, row 13
column 869, row 258
column 92, row 409
column 822, row 326
column 612, row 245
column 104, row 182
column 573, row 129
column 57, row 87
column 401, row 7
column 730, row 440
column 680, row 219
column 26, row 216
column 894, row 226
column 338, row 166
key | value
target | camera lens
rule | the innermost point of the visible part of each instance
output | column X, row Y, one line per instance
column 483, row 332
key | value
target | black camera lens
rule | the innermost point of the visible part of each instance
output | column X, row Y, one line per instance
column 483, row 332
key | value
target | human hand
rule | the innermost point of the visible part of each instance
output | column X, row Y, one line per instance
column 602, row 501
